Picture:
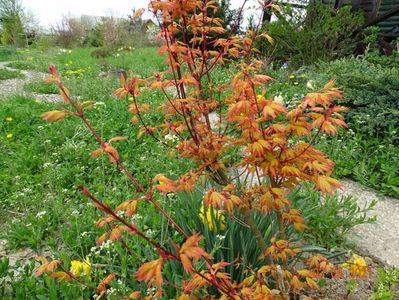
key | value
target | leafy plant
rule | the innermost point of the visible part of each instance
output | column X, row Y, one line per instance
column 331, row 218
column 101, row 52
column 315, row 32
column 371, row 96
column 276, row 149
column 387, row 281
column 6, row 53
column 21, row 65
column 41, row 87
column 369, row 160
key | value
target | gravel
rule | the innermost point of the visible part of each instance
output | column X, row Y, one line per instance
column 15, row 86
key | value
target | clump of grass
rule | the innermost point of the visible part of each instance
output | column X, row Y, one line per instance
column 21, row 65
column 41, row 87
column 10, row 74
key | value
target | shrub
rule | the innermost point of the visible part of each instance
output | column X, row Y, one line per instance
column 305, row 36
column 6, row 53
column 44, row 42
column 101, row 53
column 329, row 219
column 370, row 91
column 275, row 146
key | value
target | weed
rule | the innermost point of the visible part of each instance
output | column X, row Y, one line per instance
column 10, row 74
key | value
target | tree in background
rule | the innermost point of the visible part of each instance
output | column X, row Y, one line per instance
column 69, row 32
column 11, row 21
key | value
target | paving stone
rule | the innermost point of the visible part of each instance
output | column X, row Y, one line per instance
column 380, row 239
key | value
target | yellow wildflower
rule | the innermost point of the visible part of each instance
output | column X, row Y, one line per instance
column 211, row 218
column 296, row 82
column 9, row 135
column 161, row 178
column 9, row 119
column 80, row 268
column 291, row 76
column 131, row 98
column 357, row 266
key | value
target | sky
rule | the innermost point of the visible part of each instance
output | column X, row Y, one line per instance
column 48, row 12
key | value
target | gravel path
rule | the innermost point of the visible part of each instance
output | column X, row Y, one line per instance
column 15, row 86
column 379, row 240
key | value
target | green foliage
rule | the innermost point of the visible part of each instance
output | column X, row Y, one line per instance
column 305, row 37
column 386, row 286
column 44, row 42
column 329, row 219
column 101, row 52
column 6, row 53
column 19, row 282
column 10, row 74
column 371, row 161
column 226, row 239
column 21, row 65
column 41, row 87
column 371, row 92
column 11, row 16
column 42, row 184
column 95, row 37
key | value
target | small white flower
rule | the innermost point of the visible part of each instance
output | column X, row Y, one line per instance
column 39, row 215
column 279, row 99
column 310, row 85
column 220, row 237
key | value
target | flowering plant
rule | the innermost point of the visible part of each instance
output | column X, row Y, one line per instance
column 274, row 144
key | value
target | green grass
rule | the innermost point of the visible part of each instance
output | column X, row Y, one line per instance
column 42, row 169
column 10, row 74
column 41, row 87
column 21, row 65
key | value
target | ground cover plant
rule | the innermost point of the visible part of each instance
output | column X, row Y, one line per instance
column 278, row 150
column 368, row 151
column 41, row 87
column 9, row 74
